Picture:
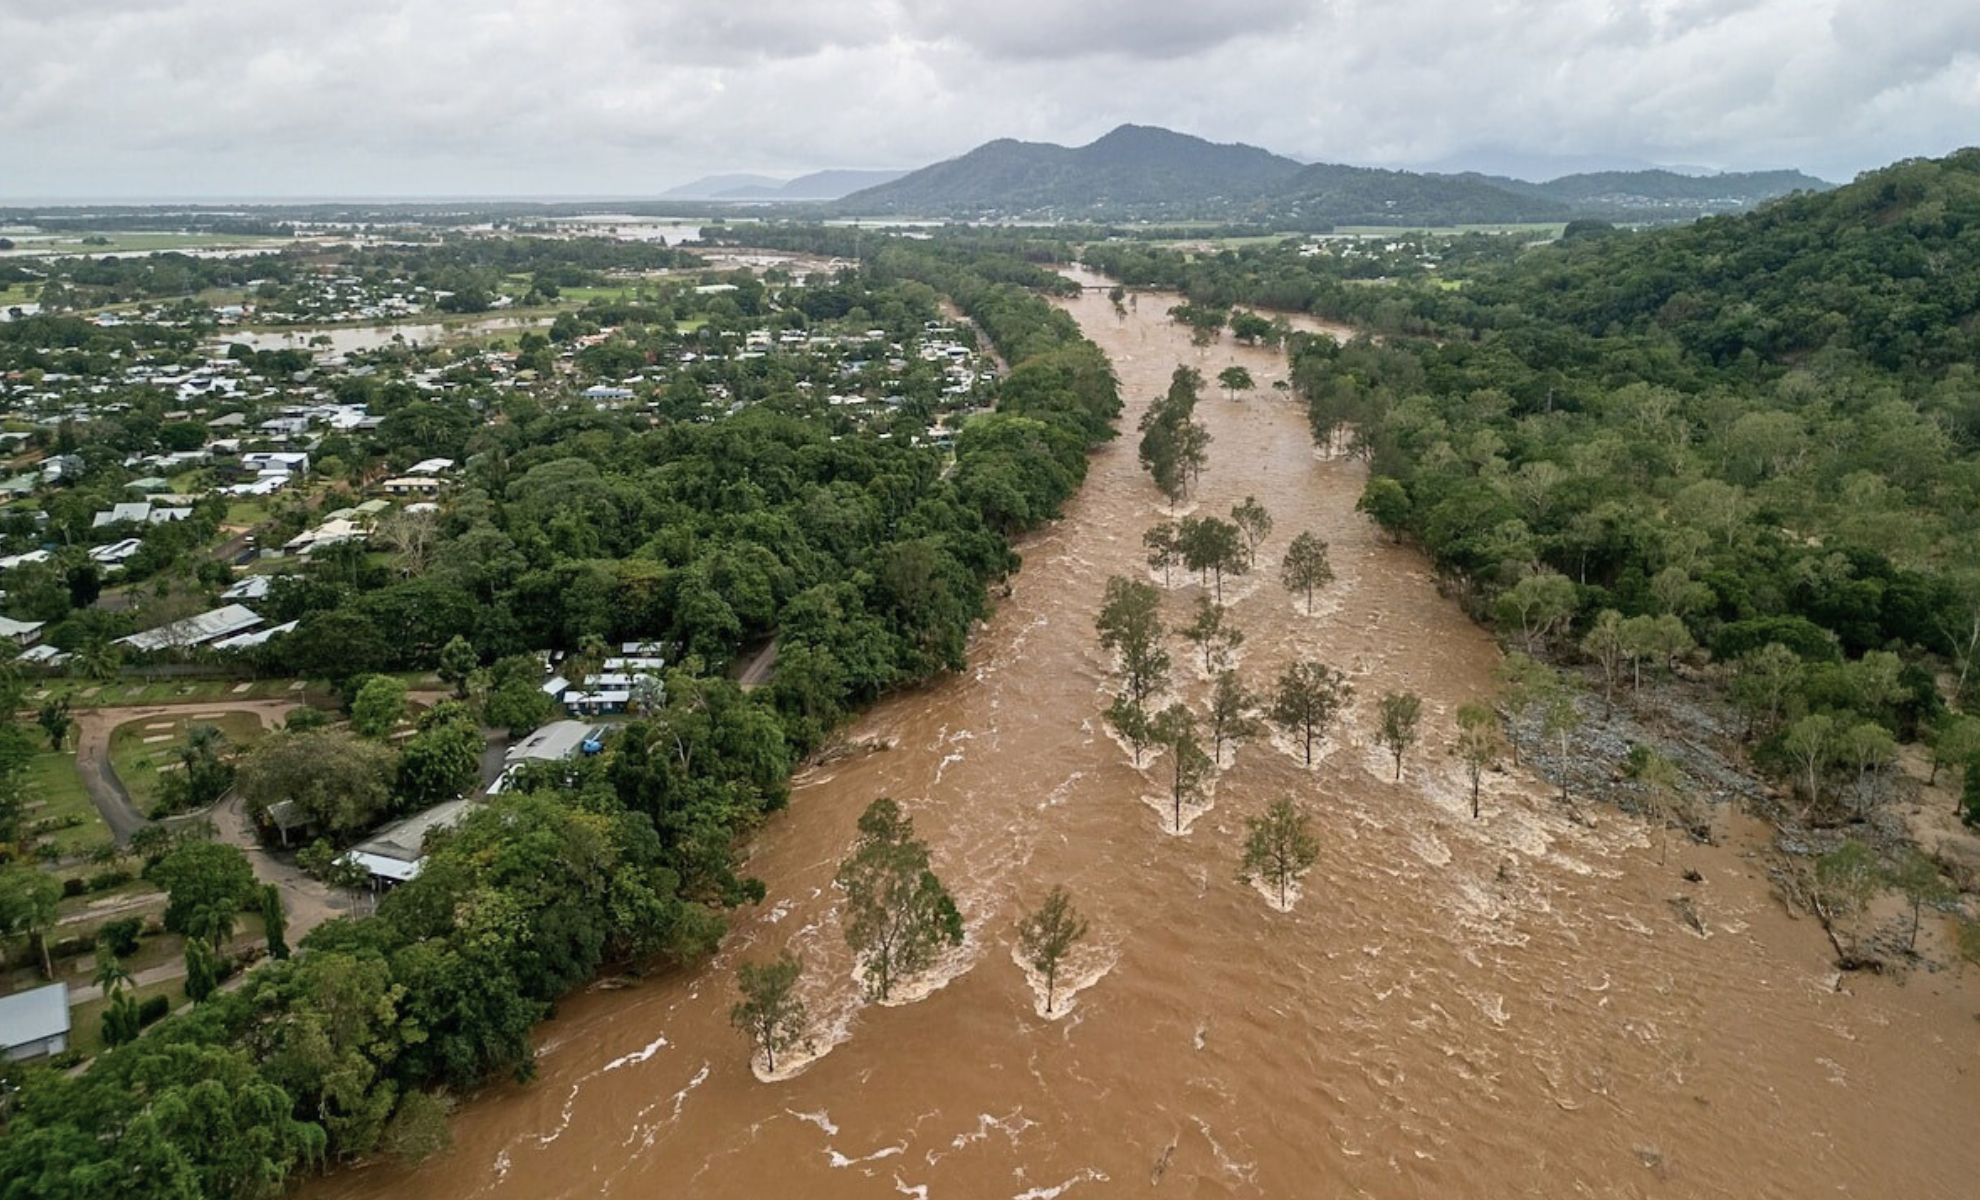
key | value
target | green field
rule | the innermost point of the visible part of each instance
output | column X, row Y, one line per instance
column 246, row 512
column 84, row 693
column 54, row 782
column 142, row 750
column 136, row 241
column 1545, row 228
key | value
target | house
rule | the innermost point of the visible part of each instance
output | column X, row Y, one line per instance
column 254, row 637
column 555, row 742
column 288, row 462
column 35, row 1023
column 141, row 512
column 195, row 630
column 254, row 587
column 286, row 817
column 431, row 466
column 116, row 552
column 21, row 633
column 32, row 556
column 331, row 532
column 394, row 854
column 412, row 485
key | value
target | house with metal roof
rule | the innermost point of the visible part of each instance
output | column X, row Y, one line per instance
column 35, row 1023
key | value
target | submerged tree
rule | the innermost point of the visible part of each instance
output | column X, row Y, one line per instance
column 1212, row 548
column 1213, row 633
column 898, row 914
column 1307, row 697
column 1130, row 625
column 1254, row 524
column 1279, row 847
column 1233, row 713
column 769, row 1012
column 1234, row 379
column 1305, row 568
column 1047, row 935
column 1175, row 729
column 1400, row 713
column 1164, row 553
column 1477, row 744
column 1131, row 721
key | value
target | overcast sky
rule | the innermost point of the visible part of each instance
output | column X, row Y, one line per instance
column 239, row 98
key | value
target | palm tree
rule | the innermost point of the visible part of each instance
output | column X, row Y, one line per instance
column 110, row 972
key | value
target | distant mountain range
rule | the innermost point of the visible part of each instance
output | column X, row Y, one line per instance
column 1143, row 173
column 816, row 187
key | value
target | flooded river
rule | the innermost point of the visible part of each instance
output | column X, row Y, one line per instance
column 1499, row 1008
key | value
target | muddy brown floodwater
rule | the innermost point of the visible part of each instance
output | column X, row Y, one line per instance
column 1505, row 1007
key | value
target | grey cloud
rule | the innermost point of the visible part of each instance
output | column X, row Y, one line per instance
column 138, row 97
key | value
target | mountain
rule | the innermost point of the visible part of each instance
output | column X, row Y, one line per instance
column 1135, row 169
column 710, row 186
column 1143, row 173
column 832, row 185
column 1641, row 194
column 1325, row 193
column 817, row 186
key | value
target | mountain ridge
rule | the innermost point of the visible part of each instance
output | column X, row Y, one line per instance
column 1140, row 172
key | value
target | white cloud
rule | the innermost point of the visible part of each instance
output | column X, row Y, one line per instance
column 407, row 97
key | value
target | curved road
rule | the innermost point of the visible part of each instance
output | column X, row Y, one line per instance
column 308, row 902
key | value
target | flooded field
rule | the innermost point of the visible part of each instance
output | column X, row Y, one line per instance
column 1506, row 1007
column 331, row 340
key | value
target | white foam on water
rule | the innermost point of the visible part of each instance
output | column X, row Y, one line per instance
column 1089, row 1175
column 1084, row 967
column 1164, row 806
column 840, row 1161
column 637, row 1056
column 1270, row 894
column 822, row 1119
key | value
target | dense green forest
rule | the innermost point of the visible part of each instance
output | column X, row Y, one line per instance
column 1137, row 172
column 1766, row 427
column 865, row 558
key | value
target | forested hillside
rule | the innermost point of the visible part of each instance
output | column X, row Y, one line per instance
column 1765, row 429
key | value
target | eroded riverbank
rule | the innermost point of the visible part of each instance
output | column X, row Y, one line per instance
column 1507, row 1007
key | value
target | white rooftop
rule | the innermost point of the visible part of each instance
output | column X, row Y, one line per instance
column 34, row 1015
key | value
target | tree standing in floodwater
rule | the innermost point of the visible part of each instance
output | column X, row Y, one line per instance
column 1400, row 713
column 1047, row 935
column 1233, row 714
column 897, row 912
column 770, row 1013
column 1305, row 567
column 1175, row 729
column 1478, row 743
column 1234, row 379
column 1308, row 696
column 1279, row 847
column 1254, row 525
column 1130, row 625
column 1213, row 633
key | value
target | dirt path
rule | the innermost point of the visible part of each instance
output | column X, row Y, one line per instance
column 307, row 902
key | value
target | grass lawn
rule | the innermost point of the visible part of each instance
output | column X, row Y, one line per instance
column 142, row 750
column 57, row 788
column 246, row 512
column 608, row 291
column 86, row 1020
column 85, row 693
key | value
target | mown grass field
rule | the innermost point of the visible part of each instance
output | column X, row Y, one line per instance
column 142, row 751
column 57, row 787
